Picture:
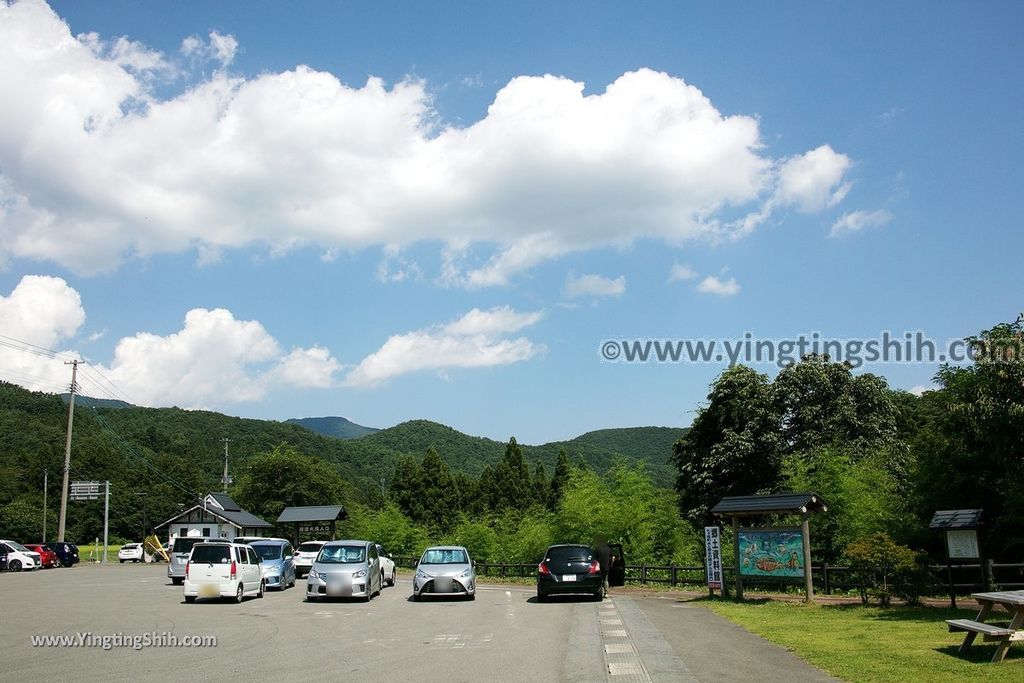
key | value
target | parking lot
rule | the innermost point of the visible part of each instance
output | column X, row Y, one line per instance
column 503, row 635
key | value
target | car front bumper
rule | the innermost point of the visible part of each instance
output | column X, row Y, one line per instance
column 444, row 585
column 341, row 586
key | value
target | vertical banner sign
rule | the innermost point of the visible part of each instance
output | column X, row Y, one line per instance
column 713, row 553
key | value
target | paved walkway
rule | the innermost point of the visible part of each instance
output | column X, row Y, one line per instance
column 662, row 638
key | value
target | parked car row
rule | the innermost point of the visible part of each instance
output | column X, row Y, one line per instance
column 16, row 557
column 213, row 568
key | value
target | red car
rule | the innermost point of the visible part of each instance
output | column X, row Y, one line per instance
column 47, row 557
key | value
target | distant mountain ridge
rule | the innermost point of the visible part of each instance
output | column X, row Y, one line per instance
column 470, row 454
column 338, row 427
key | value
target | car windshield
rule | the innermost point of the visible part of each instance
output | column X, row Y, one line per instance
column 571, row 553
column 207, row 552
column 267, row 552
column 183, row 545
column 130, row 546
column 310, row 547
column 342, row 554
column 19, row 547
column 444, row 556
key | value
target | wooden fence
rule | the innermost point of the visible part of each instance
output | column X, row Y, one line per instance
column 827, row 578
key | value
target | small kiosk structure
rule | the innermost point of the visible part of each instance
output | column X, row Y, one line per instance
column 772, row 552
column 312, row 521
column 960, row 528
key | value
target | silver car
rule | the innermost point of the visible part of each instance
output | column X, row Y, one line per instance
column 277, row 562
column 444, row 570
column 345, row 569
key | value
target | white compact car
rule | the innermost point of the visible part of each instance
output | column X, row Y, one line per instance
column 387, row 566
column 304, row 556
column 223, row 570
column 19, row 557
column 130, row 552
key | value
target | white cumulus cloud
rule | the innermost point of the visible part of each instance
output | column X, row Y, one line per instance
column 477, row 339
column 96, row 168
column 814, row 181
column 714, row 285
column 681, row 272
column 42, row 312
column 212, row 361
column 594, row 285
column 856, row 221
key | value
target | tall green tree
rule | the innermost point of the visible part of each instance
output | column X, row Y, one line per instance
column 559, row 479
column 284, row 477
column 732, row 448
column 972, row 455
column 821, row 403
column 512, row 486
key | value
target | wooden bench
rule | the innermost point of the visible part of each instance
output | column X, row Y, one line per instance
column 990, row 631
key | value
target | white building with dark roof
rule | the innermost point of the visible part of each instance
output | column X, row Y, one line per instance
column 217, row 516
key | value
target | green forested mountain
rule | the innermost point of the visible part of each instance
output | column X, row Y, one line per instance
column 339, row 427
column 171, row 456
column 599, row 449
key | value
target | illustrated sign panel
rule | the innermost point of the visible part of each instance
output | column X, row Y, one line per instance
column 713, row 548
column 771, row 552
column 962, row 544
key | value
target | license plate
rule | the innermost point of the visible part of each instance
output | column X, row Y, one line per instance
column 568, row 577
column 209, row 591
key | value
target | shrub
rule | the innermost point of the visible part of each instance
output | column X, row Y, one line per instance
column 879, row 563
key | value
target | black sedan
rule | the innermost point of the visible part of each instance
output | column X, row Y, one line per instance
column 568, row 569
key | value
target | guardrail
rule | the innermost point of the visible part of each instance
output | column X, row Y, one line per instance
column 965, row 578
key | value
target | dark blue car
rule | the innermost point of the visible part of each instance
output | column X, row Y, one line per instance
column 67, row 553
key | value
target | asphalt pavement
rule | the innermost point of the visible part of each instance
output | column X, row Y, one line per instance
column 504, row 635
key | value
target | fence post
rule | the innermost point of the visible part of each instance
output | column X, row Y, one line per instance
column 643, row 574
column 990, row 575
column 673, row 577
column 824, row 578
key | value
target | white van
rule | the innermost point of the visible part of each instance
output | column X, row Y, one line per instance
column 218, row 569
column 18, row 556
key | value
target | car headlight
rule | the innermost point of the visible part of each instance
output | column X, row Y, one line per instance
column 359, row 574
column 466, row 574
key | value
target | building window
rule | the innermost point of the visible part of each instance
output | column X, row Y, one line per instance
column 206, row 531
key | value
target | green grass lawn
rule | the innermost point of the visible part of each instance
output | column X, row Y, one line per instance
column 865, row 643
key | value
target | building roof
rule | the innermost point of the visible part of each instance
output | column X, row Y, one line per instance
column 225, row 502
column 770, row 504
column 956, row 519
column 312, row 513
column 237, row 516
column 244, row 518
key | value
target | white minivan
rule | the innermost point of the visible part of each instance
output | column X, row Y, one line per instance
column 223, row 570
column 18, row 556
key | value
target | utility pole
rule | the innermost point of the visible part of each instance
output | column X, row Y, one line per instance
column 106, row 521
column 145, row 530
column 45, row 474
column 226, row 479
column 67, row 449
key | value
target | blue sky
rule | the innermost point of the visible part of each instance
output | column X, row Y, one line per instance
column 393, row 212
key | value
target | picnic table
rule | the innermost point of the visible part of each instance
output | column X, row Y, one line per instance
column 1012, row 602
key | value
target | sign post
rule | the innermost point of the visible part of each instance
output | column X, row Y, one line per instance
column 90, row 490
column 713, row 557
